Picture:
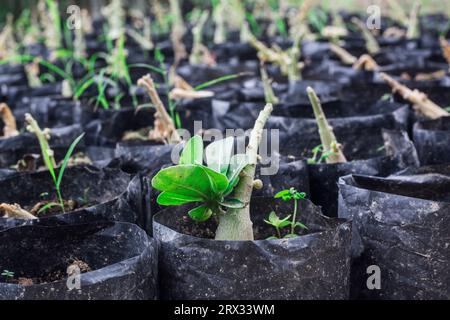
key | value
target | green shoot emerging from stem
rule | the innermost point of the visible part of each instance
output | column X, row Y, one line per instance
column 48, row 156
column 279, row 224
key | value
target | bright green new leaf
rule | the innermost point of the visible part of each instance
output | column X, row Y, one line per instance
column 192, row 151
column 218, row 154
column 200, row 214
column 194, row 181
column 237, row 164
column 174, row 199
column 232, row 203
column 66, row 160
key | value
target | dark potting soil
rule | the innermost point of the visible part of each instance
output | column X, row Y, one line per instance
column 58, row 273
column 117, row 261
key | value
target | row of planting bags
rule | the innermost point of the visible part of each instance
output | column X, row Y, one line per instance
column 395, row 212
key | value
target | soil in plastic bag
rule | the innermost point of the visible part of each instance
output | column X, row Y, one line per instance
column 109, row 261
column 95, row 195
column 400, row 224
column 432, row 141
column 194, row 266
column 323, row 178
column 13, row 149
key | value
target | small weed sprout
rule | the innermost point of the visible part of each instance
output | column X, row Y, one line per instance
column 49, row 159
column 7, row 274
column 319, row 155
column 278, row 224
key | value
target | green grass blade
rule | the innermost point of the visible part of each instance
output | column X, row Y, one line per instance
column 66, row 160
column 147, row 66
column 221, row 79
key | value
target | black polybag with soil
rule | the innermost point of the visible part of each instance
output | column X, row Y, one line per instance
column 13, row 149
column 202, row 268
column 399, row 153
column 400, row 224
column 106, row 194
column 116, row 261
column 432, row 140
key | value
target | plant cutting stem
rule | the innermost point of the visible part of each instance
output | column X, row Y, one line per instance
column 329, row 142
column 163, row 121
column 413, row 22
column 419, row 99
column 371, row 43
column 269, row 95
column 47, row 153
column 345, row 56
column 236, row 223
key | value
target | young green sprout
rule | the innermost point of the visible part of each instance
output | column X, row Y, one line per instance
column 49, row 158
column 222, row 187
column 278, row 224
column 330, row 145
column 7, row 274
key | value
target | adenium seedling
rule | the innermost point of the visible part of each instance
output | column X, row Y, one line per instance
column 275, row 221
column 213, row 183
column 210, row 184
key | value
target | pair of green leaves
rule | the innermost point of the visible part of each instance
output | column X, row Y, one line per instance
column 318, row 155
column 191, row 181
column 290, row 194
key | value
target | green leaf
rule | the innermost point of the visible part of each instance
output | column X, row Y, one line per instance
column 282, row 193
column 192, row 151
column 201, row 213
column 191, row 180
column 272, row 238
column 173, row 199
column 237, row 164
column 218, row 154
column 284, row 223
column 48, row 206
column 301, row 225
column 232, row 203
column 66, row 159
column 290, row 236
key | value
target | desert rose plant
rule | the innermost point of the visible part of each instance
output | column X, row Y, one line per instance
column 223, row 186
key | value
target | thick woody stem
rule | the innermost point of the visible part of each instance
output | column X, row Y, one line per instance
column 371, row 43
column 327, row 137
column 177, row 32
column 197, row 32
column 413, row 22
column 162, row 118
column 418, row 99
column 345, row 56
column 397, row 12
column 43, row 137
column 219, row 20
column 236, row 224
column 269, row 95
